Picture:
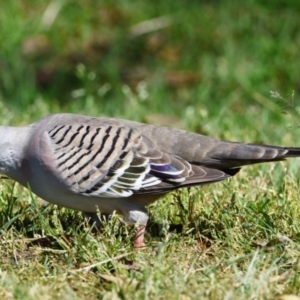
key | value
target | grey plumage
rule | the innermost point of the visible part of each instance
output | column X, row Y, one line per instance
column 87, row 163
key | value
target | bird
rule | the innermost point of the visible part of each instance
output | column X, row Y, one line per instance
column 112, row 165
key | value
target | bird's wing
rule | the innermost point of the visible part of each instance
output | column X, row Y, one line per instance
column 115, row 160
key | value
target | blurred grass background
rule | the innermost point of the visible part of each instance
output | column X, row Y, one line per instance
column 204, row 66
column 204, row 63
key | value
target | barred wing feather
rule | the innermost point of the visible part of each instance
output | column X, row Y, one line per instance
column 117, row 161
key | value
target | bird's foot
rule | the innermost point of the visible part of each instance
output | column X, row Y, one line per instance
column 139, row 237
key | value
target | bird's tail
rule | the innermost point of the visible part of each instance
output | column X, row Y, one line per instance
column 231, row 155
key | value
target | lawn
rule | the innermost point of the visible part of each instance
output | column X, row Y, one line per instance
column 227, row 69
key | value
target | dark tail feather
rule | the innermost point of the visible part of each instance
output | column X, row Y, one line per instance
column 227, row 155
column 293, row 152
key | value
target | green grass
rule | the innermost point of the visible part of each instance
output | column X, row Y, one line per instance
column 209, row 69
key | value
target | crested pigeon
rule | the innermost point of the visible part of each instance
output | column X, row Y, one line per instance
column 121, row 166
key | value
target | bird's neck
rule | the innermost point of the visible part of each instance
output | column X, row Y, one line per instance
column 13, row 143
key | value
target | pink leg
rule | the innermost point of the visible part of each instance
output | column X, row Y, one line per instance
column 139, row 237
